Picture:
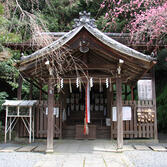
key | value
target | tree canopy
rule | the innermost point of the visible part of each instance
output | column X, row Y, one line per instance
column 144, row 19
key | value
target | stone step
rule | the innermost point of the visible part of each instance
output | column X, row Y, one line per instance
column 26, row 149
column 158, row 148
column 9, row 149
column 41, row 148
column 141, row 147
column 128, row 148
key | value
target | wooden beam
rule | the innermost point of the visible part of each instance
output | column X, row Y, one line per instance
column 19, row 89
column 50, row 129
column 119, row 112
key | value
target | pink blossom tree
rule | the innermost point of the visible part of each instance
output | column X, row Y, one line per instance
column 146, row 19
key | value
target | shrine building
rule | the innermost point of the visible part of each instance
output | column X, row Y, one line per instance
column 104, row 86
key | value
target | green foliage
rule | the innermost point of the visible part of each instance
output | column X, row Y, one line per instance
column 1, row 9
column 9, row 73
column 9, row 37
column 101, row 23
column 3, row 96
column 162, row 60
column 59, row 15
column 161, row 89
column 5, row 25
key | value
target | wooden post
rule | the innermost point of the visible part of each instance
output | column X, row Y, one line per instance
column 19, row 128
column 111, row 105
column 10, row 129
column 20, row 82
column 6, row 124
column 119, row 112
column 50, row 130
column 30, row 125
column 154, row 104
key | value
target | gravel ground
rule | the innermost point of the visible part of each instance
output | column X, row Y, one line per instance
column 147, row 158
column 138, row 158
column 16, row 159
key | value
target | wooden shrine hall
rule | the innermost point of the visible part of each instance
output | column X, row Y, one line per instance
column 121, row 85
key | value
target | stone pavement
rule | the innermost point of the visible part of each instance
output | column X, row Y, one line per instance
column 83, row 153
column 85, row 160
column 81, row 146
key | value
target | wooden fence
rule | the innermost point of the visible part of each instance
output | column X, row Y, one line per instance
column 135, row 128
column 41, row 121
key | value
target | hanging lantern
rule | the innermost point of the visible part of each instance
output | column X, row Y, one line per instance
column 107, row 83
column 61, row 83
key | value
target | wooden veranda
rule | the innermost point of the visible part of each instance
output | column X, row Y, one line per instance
column 113, row 67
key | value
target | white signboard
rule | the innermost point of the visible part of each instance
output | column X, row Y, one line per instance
column 126, row 111
column 144, row 89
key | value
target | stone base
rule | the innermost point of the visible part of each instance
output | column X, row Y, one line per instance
column 119, row 150
column 49, row 150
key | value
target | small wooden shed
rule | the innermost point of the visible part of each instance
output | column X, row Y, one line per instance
column 112, row 69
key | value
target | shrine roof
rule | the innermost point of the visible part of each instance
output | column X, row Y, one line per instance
column 105, row 39
column 17, row 103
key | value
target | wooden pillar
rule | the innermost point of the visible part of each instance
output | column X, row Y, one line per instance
column 19, row 128
column 19, row 89
column 50, row 129
column 119, row 112
column 111, row 105
column 154, row 104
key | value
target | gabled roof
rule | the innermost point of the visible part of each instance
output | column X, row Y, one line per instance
column 102, row 56
column 97, row 34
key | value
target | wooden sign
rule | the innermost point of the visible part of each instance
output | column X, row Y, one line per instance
column 126, row 111
column 144, row 89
